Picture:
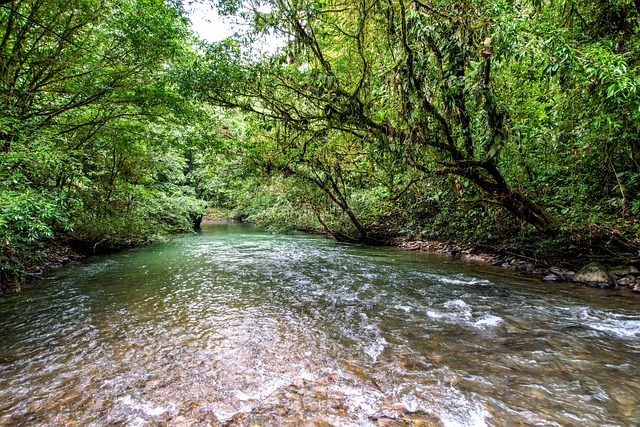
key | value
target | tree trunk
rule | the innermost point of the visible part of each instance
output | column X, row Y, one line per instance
column 515, row 202
column 330, row 187
column 494, row 184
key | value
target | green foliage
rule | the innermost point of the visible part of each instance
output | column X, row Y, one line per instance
column 90, row 127
column 27, row 219
column 467, row 119
column 136, row 215
column 461, row 119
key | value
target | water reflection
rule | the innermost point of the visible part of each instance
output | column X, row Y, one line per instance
column 238, row 327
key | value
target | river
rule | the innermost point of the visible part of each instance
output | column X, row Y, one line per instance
column 235, row 326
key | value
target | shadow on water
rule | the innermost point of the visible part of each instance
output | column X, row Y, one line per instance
column 236, row 326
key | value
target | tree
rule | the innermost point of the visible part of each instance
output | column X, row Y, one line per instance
column 87, row 123
column 387, row 73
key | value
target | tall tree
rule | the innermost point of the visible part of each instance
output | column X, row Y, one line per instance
column 85, row 112
column 389, row 73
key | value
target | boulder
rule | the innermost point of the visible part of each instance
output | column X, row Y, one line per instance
column 626, row 281
column 563, row 274
column 497, row 261
column 624, row 271
column 593, row 273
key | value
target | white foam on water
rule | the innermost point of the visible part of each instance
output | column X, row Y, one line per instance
column 452, row 408
column 613, row 324
column 626, row 329
column 488, row 321
column 137, row 422
column 152, row 411
column 435, row 314
column 446, row 401
column 455, row 310
column 459, row 310
column 267, row 388
column 242, row 395
column 376, row 348
column 464, row 414
column 405, row 308
column 359, row 399
column 451, row 281
column 456, row 303
column 461, row 280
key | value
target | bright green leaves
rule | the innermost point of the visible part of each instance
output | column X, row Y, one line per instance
column 91, row 127
column 27, row 216
column 503, row 95
column 27, row 219
column 148, row 31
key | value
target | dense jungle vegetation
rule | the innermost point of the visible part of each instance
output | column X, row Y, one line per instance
column 499, row 122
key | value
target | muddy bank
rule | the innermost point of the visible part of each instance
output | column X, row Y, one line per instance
column 220, row 220
column 55, row 254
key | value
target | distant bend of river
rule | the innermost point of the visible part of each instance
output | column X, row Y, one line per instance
column 235, row 326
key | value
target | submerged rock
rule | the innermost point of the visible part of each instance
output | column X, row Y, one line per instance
column 593, row 274
column 398, row 415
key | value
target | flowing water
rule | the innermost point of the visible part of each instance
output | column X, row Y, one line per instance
column 238, row 327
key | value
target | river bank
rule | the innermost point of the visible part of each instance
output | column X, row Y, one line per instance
column 552, row 270
column 52, row 256
column 575, row 270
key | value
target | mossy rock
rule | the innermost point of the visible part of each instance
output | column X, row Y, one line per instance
column 592, row 273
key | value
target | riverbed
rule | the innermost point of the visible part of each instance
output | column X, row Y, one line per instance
column 238, row 326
